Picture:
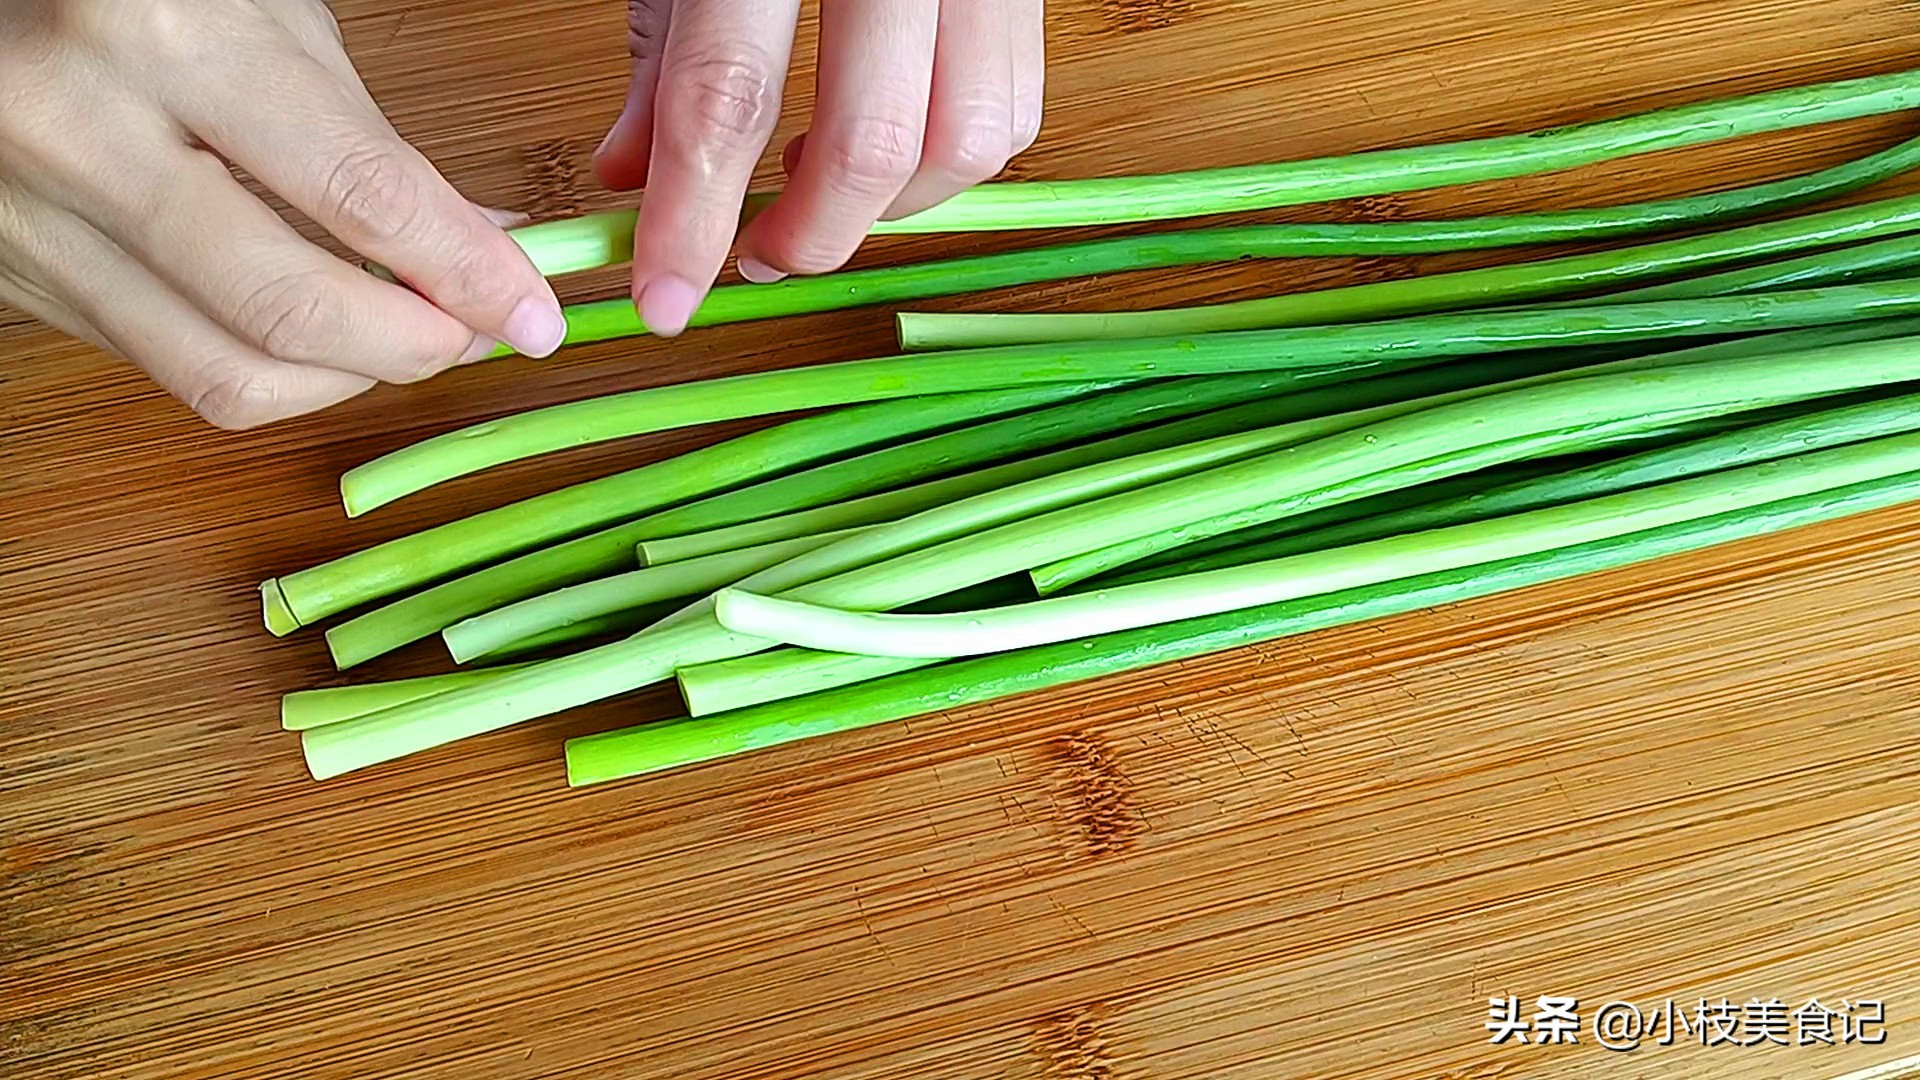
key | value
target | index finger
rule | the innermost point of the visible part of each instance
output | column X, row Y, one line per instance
column 717, row 104
column 316, row 143
column 876, row 71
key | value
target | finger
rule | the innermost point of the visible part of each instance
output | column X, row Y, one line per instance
column 136, row 315
column 311, row 140
column 22, row 296
column 17, row 272
column 752, row 269
column 719, row 97
column 1028, row 21
column 246, row 268
column 238, row 391
column 970, row 115
column 876, row 72
column 621, row 160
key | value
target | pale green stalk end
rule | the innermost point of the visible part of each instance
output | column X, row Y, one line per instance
column 599, row 759
column 353, row 500
column 304, row 710
column 571, row 245
column 720, row 687
column 541, row 689
column 274, row 610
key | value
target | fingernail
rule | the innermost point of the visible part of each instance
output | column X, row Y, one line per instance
column 667, row 304
column 481, row 348
column 506, row 219
column 758, row 272
column 536, row 328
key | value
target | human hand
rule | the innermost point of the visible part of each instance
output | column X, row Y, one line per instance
column 121, row 224
column 917, row 100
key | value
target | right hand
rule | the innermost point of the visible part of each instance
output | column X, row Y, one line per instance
column 916, row 101
column 121, row 223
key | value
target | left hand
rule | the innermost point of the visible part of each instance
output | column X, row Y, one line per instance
column 917, row 100
column 122, row 223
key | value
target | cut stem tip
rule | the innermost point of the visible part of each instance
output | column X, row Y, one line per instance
column 275, row 611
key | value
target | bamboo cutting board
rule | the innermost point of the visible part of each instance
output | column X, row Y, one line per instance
column 1318, row 859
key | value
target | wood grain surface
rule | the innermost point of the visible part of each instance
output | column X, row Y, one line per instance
column 1318, row 859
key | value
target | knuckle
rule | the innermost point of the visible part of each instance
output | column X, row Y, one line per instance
column 817, row 251
column 871, row 156
column 473, row 284
column 170, row 28
column 647, row 27
column 296, row 317
column 979, row 148
column 371, row 195
column 170, row 31
column 736, row 96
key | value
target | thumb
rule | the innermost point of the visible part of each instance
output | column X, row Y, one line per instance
column 621, row 160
